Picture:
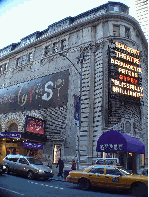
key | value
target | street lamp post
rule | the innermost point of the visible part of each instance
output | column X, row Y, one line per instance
column 80, row 73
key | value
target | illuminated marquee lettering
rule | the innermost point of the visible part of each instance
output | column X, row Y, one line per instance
column 127, row 57
column 128, row 79
column 126, row 48
column 128, row 72
column 125, row 65
column 127, row 82
column 127, row 85
column 127, row 92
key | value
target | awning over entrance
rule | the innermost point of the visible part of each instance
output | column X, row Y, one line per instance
column 112, row 141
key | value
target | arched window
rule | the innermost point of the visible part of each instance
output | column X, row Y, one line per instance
column 13, row 127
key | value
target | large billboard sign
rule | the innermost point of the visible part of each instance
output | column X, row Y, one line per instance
column 125, row 71
column 34, row 125
column 48, row 91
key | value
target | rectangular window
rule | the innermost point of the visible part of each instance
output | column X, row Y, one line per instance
column 23, row 59
column 55, row 47
column 3, row 68
column 6, row 67
column 116, row 30
column 127, row 32
column 116, row 9
column 18, row 62
column 63, row 44
column 30, row 57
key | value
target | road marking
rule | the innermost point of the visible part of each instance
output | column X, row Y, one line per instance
column 46, row 185
column 30, row 182
column 12, row 191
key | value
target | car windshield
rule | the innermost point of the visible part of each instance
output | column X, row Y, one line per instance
column 124, row 171
column 35, row 161
column 86, row 169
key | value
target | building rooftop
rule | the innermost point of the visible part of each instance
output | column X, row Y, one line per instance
column 65, row 23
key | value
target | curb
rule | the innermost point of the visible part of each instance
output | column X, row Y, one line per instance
column 58, row 180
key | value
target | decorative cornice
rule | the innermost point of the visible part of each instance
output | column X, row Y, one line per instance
column 69, row 24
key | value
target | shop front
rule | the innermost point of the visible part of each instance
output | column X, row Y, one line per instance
column 20, row 143
column 9, row 144
column 129, row 150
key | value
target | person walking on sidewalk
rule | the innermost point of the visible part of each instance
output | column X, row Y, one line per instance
column 61, row 166
column 73, row 165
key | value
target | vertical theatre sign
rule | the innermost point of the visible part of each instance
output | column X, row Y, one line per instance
column 45, row 92
column 125, row 71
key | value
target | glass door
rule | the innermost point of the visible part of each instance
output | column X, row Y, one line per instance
column 57, row 152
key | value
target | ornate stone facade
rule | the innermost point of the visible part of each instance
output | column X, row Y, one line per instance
column 84, row 39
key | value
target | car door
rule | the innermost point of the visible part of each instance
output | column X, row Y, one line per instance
column 13, row 164
column 96, row 176
column 113, row 177
column 22, row 166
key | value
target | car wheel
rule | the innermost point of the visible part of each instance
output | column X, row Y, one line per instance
column 30, row 175
column 7, row 170
column 84, row 184
column 139, row 190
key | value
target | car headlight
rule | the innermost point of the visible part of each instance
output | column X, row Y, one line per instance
column 40, row 171
column 4, row 167
column 51, row 171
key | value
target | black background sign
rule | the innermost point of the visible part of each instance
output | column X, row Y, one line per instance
column 133, row 79
column 48, row 91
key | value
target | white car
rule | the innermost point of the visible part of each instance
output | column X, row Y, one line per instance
column 29, row 166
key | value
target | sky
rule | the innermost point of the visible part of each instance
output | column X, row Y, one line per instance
column 20, row 18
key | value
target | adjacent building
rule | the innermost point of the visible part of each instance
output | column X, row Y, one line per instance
column 142, row 15
column 82, row 79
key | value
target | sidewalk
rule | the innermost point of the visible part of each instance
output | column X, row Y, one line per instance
column 56, row 170
column 67, row 166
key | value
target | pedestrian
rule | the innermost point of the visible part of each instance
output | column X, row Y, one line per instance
column 49, row 161
column 73, row 165
column 61, row 166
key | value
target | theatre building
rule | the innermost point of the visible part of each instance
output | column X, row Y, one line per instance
column 78, row 89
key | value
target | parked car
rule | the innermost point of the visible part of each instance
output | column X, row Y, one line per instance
column 2, row 169
column 109, row 176
column 29, row 166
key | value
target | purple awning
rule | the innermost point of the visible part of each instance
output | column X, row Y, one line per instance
column 112, row 141
column 32, row 145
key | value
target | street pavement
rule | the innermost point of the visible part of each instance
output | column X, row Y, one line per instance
column 16, row 186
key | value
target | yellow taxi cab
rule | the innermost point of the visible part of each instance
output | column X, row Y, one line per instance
column 109, row 176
